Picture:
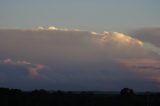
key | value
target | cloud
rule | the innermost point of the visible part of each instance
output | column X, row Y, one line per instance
column 117, row 38
column 23, row 62
column 7, row 61
column 40, row 28
column 146, row 67
column 53, row 28
column 150, row 37
column 10, row 61
column 143, row 63
column 151, row 47
column 77, row 60
column 32, row 68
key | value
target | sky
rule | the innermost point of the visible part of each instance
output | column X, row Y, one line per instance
column 95, row 45
column 88, row 15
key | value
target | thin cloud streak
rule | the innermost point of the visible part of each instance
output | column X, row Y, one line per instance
column 146, row 67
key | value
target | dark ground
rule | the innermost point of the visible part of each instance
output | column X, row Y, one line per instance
column 15, row 97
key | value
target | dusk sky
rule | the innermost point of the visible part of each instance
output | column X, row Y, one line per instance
column 88, row 15
column 96, row 45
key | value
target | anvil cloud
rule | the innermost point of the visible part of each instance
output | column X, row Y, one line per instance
column 70, row 59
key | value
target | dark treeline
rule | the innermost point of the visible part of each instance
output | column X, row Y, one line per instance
column 126, row 97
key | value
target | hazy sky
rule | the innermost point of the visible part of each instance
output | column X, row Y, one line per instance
column 97, row 15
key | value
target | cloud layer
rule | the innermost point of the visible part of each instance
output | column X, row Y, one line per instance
column 60, row 58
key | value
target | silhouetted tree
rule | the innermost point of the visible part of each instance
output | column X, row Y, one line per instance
column 4, row 91
column 41, row 97
column 15, row 91
column 127, row 92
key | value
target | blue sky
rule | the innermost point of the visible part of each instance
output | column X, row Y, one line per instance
column 97, row 15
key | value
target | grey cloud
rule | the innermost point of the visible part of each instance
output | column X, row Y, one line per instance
column 150, row 46
column 76, row 60
column 151, row 35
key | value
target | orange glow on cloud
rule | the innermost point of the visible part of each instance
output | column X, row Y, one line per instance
column 147, row 67
column 7, row 61
column 117, row 38
column 34, row 70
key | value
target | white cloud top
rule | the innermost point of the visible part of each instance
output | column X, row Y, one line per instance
column 52, row 28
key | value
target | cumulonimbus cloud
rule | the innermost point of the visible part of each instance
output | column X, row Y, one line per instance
column 78, row 58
